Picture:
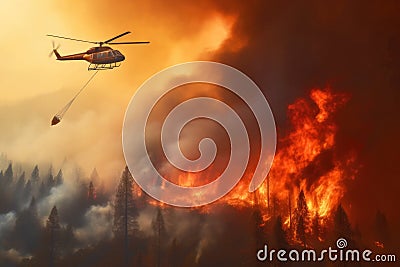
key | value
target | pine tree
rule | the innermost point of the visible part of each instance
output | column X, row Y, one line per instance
column 27, row 193
column 316, row 226
column 19, row 191
column 35, row 175
column 58, row 180
column 173, row 254
column 101, row 192
column 280, row 234
column 68, row 239
column 6, row 199
column 19, row 187
column 301, row 218
column 91, row 194
column 342, row 227
column 53, row 221
column 43, row 192
column 94, row 177
column 139, row 196
column 53, row 231
column 27, row 229
column 125, row 211
column 357, row 236
column 381, row 227
column 274, row 207
column 8, row 175
column 258, row 221
column 159, row 233
column 33, row 207
column 50, row 180
column 301, row 229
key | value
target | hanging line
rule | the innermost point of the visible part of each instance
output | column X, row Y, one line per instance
column 60, row 114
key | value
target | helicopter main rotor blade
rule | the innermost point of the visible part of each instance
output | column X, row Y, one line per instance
column 116, row 37
column 128, row 43
column 73, row 39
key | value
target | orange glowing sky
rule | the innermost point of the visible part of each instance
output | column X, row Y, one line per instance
column 285, row 49
column 34, row 87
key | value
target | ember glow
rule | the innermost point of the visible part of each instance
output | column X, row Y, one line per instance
column 379, row 244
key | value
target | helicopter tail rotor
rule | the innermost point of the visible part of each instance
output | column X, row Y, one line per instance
column 54, row 51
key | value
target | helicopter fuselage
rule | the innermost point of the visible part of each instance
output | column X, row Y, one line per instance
column 95, row 55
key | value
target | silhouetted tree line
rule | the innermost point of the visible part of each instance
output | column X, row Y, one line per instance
column 227, row 236
column 15, row 192
column 44, row 244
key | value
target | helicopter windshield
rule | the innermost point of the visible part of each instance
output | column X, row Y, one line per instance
column 117, row 53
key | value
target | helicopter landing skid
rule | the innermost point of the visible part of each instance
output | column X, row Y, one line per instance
column 107, row 66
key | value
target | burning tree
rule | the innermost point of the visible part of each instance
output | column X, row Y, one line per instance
column 316, row 229
column 301, row 219
column 259, row 224
column 306, row 165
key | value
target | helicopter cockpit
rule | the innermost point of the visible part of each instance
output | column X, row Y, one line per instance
column 106, row 60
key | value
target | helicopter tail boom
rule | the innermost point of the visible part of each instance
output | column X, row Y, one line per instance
column 57, row 54
column 80, row 56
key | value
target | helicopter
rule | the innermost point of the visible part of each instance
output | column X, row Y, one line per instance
column 100, row 57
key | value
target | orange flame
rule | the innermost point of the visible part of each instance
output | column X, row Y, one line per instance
column 305, row 160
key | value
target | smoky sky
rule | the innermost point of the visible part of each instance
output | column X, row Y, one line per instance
column 351, row 47
column 287, row 48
